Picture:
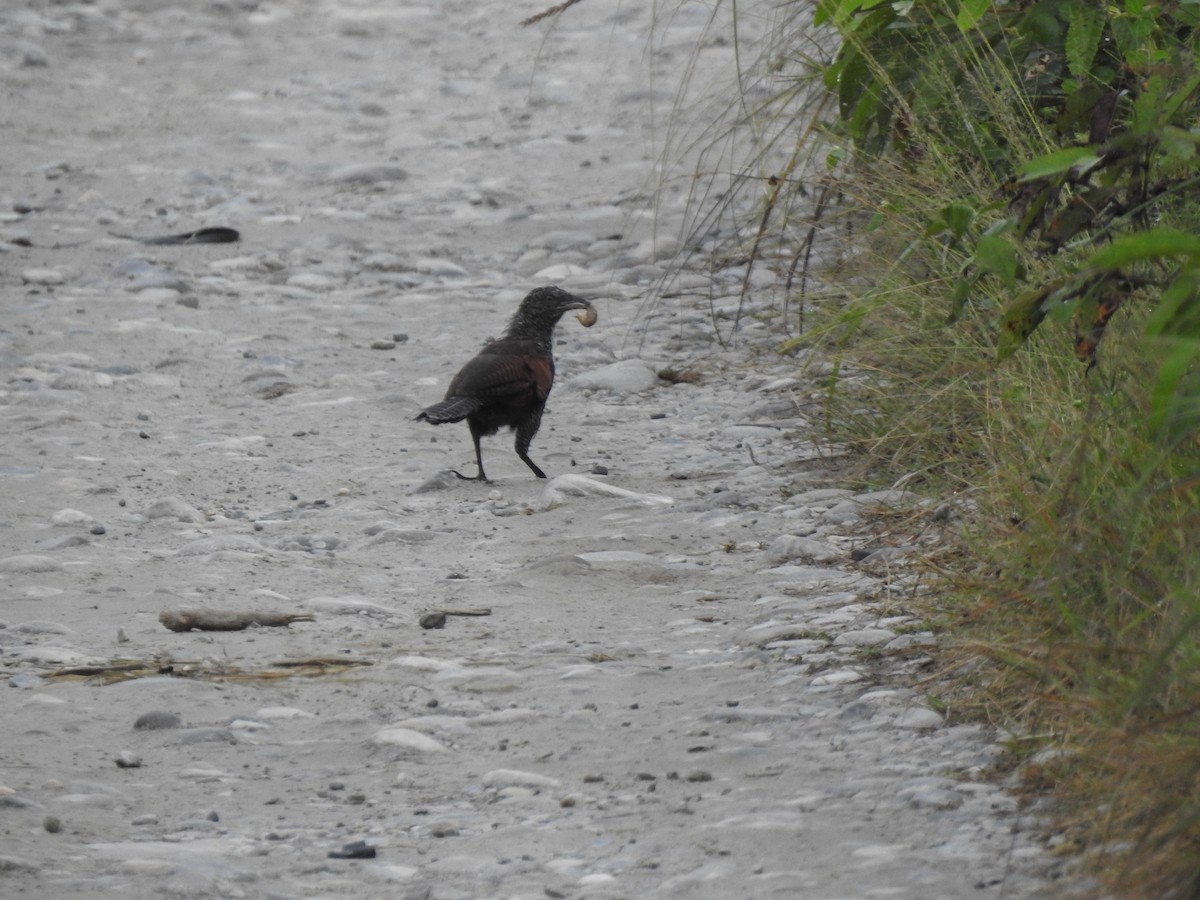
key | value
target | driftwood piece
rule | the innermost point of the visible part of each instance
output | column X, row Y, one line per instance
column 225, row 619
column 437, row 618
column 326, row 662
column 218, row 235
column 118, row 670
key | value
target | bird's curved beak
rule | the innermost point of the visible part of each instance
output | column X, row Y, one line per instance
column 587, row 316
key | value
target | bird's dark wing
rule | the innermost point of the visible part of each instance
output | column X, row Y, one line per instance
column 504, row 370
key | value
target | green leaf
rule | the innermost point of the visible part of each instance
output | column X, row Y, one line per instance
column 996, row 255
column 852, row 84
column 1154, row 244
column 960, row 294
column 1000, row 226
column 1128, row 43
column 970, row 12
column 1172, row 410
column 1188, row 13
column 1076, row 113
column 1055, row 163
column 954, row 218
column 1182, row 95
column 1041, row 26
column 844, row 10
column 1083, row 37
column 866, row 106
column 1180, row 145
column 1021, row 319
column 1147, row 107
column 1176, row 312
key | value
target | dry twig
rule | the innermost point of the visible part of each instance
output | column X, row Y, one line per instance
column 546, row 13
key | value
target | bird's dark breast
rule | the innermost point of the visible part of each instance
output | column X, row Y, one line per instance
column 508, row 413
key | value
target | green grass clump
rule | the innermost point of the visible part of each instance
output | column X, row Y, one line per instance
column 1017, row 325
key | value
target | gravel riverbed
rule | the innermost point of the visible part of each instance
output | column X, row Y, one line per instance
column 682, row 680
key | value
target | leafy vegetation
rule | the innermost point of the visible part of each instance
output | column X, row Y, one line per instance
column 1020, row 325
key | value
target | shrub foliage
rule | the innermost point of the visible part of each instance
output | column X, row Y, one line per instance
column 1031, row 185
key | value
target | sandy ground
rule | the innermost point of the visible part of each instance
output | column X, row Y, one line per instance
column 684, row 687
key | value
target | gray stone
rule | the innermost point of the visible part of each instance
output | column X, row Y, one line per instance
column 629, row 376
column 791, row 547
column 864, row 637
column 43, row 277
column 29, row 564
column 367, row 173
column 174, row 508
column 919, row 718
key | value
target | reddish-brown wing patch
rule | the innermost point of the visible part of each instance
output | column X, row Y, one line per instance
column 542, row 371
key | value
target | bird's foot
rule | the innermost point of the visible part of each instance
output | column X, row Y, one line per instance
column 479, row 477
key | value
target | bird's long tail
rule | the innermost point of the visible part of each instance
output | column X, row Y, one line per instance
column 452, row 409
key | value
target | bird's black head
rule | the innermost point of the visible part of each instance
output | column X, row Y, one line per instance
column 540, row 311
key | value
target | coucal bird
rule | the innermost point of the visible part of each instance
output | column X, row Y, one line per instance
column 508, row 381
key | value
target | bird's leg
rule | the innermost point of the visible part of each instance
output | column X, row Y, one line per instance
column 529, row 462
column 478, row 462
column 525, row 433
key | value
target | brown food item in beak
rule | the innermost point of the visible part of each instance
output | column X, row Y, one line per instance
column 587, row 318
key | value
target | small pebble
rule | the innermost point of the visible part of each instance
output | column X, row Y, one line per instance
column 355, row 850
column 52, row 824
column 433, row 620
column 206, row 734
column 157, row 719
column 127, row 759
column 920, row 719
column 43, row 276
